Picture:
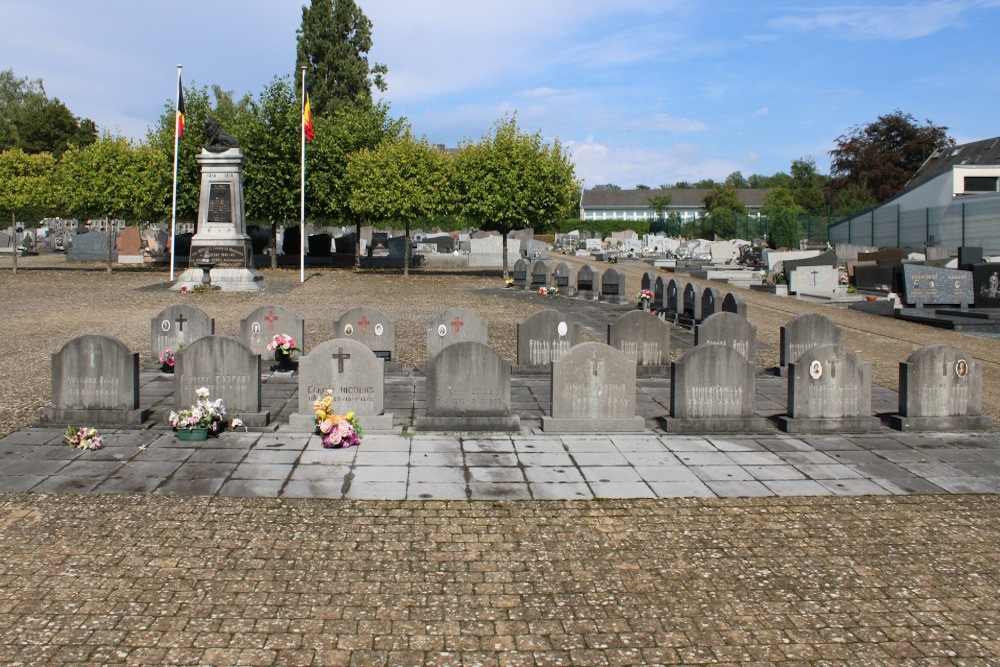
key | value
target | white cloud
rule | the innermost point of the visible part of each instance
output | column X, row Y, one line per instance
column 668, row 123
column 901, row 22
column 763, row 111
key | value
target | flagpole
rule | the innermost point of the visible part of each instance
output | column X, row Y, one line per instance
column 302, row 186
column 173, row 205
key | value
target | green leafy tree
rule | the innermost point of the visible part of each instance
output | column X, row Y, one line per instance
column 885, row 154
column 405, row 180
column 737, row 180
column 29, row 120
column 659, row 204
column 26, row 185
column 332, row 43
column 853, row 199
column 808, row 186
column 782, row 212
column 512, row 180
column 640, row 186
column 114, row 178
column 724, row 208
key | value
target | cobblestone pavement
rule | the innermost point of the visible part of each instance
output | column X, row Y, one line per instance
column 100, row 579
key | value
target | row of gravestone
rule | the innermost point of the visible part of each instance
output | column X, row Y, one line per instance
column 687, row 304
column 95, row 380
column 586, row 283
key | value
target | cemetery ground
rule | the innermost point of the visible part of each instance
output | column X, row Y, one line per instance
column 151, row 579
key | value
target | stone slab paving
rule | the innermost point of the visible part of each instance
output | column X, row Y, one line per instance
column 100, row 580
column 533, row 465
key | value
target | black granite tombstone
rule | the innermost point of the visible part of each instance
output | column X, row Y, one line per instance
column 986, row 285
column 969, row 256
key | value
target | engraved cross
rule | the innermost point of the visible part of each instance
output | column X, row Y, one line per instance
column 180, row 322
column 340, row 356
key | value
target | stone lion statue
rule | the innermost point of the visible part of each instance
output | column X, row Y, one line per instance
column 218, row 139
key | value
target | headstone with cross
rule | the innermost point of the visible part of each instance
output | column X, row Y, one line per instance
column 95, row 382
column 178, row 326
column 352, row 374
column 593, row 391
column 258, row 328
column 454, row 325
column 644, row 339
column 819, row 280
column 370, row 327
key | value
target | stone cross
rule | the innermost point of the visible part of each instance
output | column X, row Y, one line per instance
column 814, row 274
column 340, row 356
column 180, row 322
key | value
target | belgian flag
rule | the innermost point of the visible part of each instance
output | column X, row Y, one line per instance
column 180, row 108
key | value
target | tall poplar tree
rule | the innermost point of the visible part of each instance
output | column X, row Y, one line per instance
column 332, row 44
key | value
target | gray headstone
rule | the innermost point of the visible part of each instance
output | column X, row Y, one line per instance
column 642, row 337
column 711, row 302
column 734, row 303
column 562, row 275
column 522, row 271
column 823, row 280
column 828, row 258
column 354, row 376
column 712, row 388
column 829, row 390
column 258, row 328
column 544, row 337
column 540, row 272
column 804, row 332
column 587, row 280
column 646, row 282
column 940, row 389
column 593, row 391
column 178, row 326
column 673, row 298
column 230, row 371
column 468, row 389
column 370, row 327
column 659, row 300
column 90, row 247
column 613, row 286
column 455, row 325
column 728, row 329
column 6, row 240
column 95, row 382
column 932, row 286
column 692, row 302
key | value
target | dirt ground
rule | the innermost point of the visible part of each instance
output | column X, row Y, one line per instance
column 48, row 302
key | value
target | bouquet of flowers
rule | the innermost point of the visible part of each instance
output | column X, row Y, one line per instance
column 553, row 291
column 544, row 291
column 167, row 358
column 337, row 430
column 203, row 414
column 84, row 437
column 644, row 295
column 284, row 344
column 509, row 282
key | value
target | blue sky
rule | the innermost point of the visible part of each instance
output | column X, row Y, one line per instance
column 640, row 92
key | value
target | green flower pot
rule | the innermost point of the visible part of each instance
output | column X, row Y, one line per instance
column 192, row 434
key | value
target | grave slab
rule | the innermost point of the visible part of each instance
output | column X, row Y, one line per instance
column 940, row 389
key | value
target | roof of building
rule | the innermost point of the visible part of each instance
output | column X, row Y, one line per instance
column 680, row 197
column 980, row 153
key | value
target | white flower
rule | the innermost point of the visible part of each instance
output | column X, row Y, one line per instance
column 201, row 392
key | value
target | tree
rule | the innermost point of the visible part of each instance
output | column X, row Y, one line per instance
column 737, row 180
column 29, row 120
column 659, row 203
column 405, row 180
column 26, row 185
column 885, row 154
column 724, row 206
column 782, row 212
column 332, row 43
column 807, row 186
column 512, row 180
column 640, row 186
column 853, row 199
column 114, row 178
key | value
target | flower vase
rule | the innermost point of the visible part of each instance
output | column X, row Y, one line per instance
column 645, row 305
column 284, row 360
column 166, row 368
column 192, row 434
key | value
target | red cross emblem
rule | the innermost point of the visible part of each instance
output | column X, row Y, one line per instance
column 363, row 323
column 271, row 319
column 457, row 324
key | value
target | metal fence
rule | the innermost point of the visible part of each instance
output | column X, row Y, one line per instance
column 974, row 222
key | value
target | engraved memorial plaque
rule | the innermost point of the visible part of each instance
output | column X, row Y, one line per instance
column 220, row 203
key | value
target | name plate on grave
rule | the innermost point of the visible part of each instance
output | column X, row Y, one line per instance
column 383, row 354
column 928, row 285
column 220, row 203
column 221, row 256
column 610, row 288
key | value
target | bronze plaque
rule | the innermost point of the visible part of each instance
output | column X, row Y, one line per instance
column 220, row 203
column 223, row 256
